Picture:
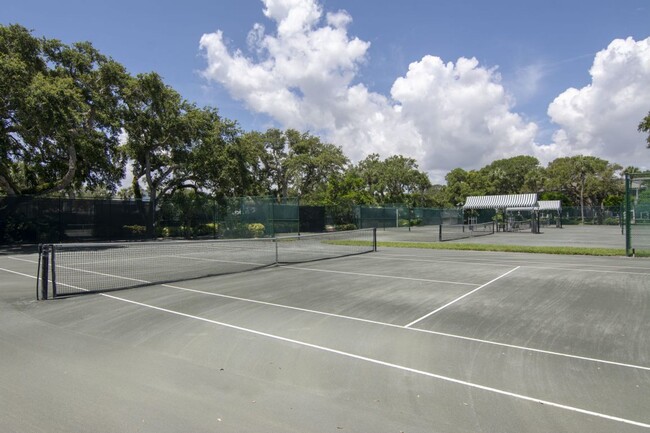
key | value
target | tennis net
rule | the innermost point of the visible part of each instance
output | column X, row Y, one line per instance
column 448, row 232
column 68, row 269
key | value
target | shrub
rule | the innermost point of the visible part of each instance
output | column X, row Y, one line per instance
column 206, row 229
column 343, row 227
column 255, row 230
column 135, row 230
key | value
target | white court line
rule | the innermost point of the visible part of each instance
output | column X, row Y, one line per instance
column 17, row 273
column 390, row 365
column 495, row 262
column 357, row 319
column 425, row 331
column 459, row 298
column 377, row 275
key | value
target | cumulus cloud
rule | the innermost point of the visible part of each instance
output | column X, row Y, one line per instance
column 601, row 118
column 305, row 75
column 462, row 113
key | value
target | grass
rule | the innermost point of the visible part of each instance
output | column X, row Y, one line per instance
column 582, row 251
column 507, row 248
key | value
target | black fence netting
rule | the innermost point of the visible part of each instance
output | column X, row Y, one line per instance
column 44, row 219
column 34, row 220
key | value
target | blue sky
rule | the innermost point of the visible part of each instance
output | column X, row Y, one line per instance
column 527, row 55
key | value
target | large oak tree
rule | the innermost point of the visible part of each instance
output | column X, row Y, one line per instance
column 60, row 115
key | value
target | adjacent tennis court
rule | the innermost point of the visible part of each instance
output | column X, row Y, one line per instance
column 389, row 341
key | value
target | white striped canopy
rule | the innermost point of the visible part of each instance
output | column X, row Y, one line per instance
column 501, row 201
column 547, row 205
column 550, row 205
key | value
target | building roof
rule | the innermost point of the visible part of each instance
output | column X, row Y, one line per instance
column 501, row 201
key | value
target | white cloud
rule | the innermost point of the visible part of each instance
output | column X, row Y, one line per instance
column 601, row 118
column 446, row 115
column 462, row 112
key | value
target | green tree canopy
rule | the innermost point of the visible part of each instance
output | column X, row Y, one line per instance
column 224, row 162
column 586, row 180
column 396, row 179
column 295, row 163
column 60, row 115
column 510, row 176
column 158, row 124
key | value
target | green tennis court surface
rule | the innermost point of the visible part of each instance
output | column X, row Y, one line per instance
column 392, row 341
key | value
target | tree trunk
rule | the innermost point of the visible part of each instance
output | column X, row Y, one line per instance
column 5, row 184
column 66, row 180
column 151, row 221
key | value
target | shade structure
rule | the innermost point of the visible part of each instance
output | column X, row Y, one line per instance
column 501, row 201
column 542, row 205
column 549, row 205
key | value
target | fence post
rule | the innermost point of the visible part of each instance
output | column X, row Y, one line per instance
column 628, row 220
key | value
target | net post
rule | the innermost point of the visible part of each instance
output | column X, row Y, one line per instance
column 440, row 233
column 53, row 267
column 38, row 273
column 374, row 239
column 277, row 257
column 44, row 263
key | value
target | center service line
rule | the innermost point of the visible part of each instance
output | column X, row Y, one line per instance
column 389, row 364
column 459, row 298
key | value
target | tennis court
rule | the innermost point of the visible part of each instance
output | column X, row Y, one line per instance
column 390, row 341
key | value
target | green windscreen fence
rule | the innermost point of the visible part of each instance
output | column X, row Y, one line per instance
column 32, row 220
column 238, row 217
column 390, row 216
column 637, row 214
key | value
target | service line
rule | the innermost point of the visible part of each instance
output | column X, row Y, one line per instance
column 459, row 298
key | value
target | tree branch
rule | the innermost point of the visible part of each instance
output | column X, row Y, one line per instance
column 67, row 179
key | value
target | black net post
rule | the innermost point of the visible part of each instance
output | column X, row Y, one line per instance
column 38, row 273
column 44, row 260
column 374, row 239
column 53, row 270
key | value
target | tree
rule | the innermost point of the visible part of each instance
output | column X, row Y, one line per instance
column 60, row 115
column 157, row 123
column 275, row 153
column 223, row 161
column 311, row 163
column 461, row 184
column 343, row 193
column 394, row 180
column 400, row 179
column 585, row 179
column 508, row 176
column 534, row 180
column 298, row 163
column 370, row 170
column 644, row 126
